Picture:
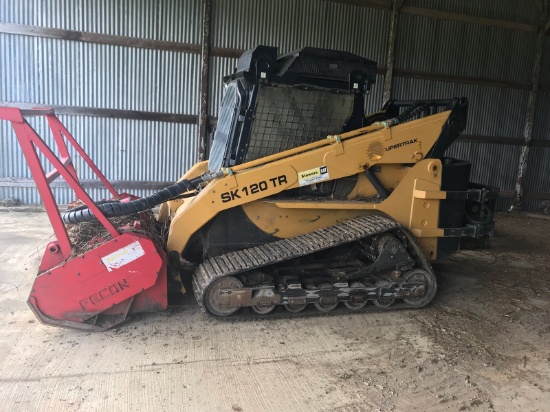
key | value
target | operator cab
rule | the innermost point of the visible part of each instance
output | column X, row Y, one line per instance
column 275, row 104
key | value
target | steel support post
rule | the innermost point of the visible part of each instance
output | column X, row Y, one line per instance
column 530, row 115
column 205, row 74
column 396, row 5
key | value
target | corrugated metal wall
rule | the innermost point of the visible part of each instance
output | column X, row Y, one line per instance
column 159, row 20
column 64, row 72
column 468, row 50
column 537, row 178
column 512, row 10
column 290, row 25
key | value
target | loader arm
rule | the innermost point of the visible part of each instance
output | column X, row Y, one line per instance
column 343, row 155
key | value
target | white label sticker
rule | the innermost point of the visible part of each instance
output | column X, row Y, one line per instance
column 123, row 256
column 311, row 176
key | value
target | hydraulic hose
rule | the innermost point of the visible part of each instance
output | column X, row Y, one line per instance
column 411, row 112
column 113, row 209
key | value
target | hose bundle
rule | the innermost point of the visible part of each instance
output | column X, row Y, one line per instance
column 114, row 208
column 408, row 114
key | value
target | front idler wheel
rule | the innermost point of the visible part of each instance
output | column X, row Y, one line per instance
column 218, row 297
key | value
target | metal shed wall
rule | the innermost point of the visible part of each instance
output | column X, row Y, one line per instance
column 290, row 25
column 150, row 78
column 51, row 71
column 428, row 45
column 511, row 10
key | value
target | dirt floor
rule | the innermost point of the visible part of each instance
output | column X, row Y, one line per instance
column 483, row 345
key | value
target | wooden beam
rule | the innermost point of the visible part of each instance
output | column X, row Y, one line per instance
column 506, row 194
column 537, row 196
column 467, row 18
column 112, row 40
column 87, row 184
column 205, row 74
column 390, row 55
column 529, row 117
column 225, row 52
column 480, row 81
column 21, row 182
column 515, row 141
column 373, row 4
column 540, row 143
column 444, row 15
column 111, row 113
column 88, row 37
column 506, row 140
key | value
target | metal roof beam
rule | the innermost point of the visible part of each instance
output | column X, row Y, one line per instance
column 390, row 55
column 530, row 115
column 443, row 15
column 467, row 18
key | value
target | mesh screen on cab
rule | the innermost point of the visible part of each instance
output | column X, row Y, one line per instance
column 288, row 117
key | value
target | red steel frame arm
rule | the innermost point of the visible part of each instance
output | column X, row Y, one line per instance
column 29, row 142
column 59, row 131
column 43, row 188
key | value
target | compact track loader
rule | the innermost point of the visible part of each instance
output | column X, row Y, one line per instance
column 305, row 203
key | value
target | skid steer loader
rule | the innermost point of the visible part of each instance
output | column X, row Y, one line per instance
column 306, row 203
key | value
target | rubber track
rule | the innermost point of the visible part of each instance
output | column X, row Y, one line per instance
column 247, row 259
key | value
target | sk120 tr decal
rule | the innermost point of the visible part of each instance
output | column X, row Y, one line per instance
column 253, row 189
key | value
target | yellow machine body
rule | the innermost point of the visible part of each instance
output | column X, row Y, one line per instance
column 398, row 151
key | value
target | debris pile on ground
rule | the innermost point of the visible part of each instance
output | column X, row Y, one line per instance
column 544, row 207
column 88, row 235
column 9, row 202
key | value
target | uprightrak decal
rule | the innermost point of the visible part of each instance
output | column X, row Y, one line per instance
column 398, row 145
column 311, row 176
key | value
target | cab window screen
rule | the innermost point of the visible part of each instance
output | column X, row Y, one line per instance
column 288, row 117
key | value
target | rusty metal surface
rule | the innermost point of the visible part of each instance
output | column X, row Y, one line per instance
column 390, row 54
column 205, row 71
column 530, row 113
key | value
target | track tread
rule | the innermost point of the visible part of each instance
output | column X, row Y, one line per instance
column 240, row 261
